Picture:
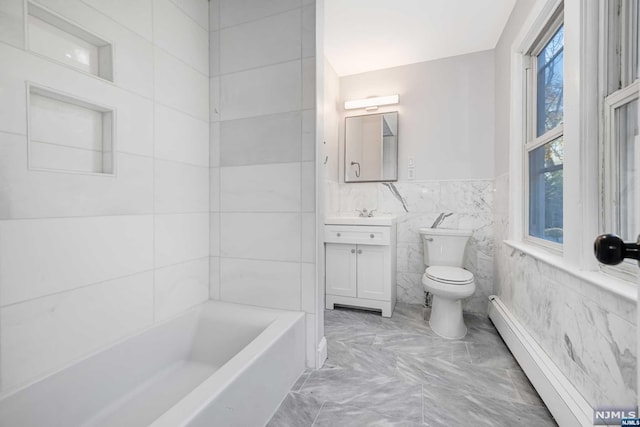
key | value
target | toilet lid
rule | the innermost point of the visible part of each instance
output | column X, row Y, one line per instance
column 452, row 275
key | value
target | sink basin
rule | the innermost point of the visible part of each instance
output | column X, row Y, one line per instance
column 387, row 220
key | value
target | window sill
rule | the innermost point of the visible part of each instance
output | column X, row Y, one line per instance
column 622, row 288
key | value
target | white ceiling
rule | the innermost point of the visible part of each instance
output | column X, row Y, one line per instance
column 367, row 35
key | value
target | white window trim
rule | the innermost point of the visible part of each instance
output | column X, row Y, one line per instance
column 628, row 269
column 582, row 116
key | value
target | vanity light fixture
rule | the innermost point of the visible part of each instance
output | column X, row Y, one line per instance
column 371, row 103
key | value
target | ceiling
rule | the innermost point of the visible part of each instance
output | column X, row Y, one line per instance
column 367, row 35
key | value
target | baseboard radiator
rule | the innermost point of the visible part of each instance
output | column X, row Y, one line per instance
column 565, row 403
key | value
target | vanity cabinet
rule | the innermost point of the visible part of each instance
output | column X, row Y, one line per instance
column 360, row 263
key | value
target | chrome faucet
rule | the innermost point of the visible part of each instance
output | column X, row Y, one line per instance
column 364, row 213
column 440, row 218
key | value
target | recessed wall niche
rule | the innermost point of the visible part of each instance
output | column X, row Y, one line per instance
column 51, row 35
column 69, row 134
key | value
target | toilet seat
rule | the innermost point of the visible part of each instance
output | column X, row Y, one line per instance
column 449, row 275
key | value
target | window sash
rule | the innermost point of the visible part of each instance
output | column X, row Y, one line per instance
column 610, row 172
column 532, row 141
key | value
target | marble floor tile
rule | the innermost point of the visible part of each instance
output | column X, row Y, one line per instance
column 397, row 372
column 444, row 406
column 301, row 380
column 340, row 385
column 333, row 414
column 527, row 393
column 491, row 355
column 297, row 410
column 361, row 357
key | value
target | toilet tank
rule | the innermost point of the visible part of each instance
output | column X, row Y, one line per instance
column 444, row 246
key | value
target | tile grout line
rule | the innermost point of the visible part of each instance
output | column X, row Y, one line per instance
column 318, row 414
column 153, row 160
column 111, row 279
column 271, row 15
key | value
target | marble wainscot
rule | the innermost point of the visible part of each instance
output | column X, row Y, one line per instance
column 417, row 204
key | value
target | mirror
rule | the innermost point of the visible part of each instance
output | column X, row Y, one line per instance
column 371, row 148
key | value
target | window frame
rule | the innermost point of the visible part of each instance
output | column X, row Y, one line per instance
column 530, row 108
column 617, row 89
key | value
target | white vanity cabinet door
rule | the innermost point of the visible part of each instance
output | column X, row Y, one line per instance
column 373, row 272
column 340, row 267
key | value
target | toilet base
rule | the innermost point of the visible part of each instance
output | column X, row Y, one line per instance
column 446, row 318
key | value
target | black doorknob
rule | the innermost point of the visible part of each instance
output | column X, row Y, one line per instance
column 611, row 250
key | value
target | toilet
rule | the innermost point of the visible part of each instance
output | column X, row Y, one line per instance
column 446, row 280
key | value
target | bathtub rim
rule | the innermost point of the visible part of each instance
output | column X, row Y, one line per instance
column 192, row 311
column 188, row 408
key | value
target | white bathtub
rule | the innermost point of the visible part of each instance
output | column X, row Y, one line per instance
column 219, row 364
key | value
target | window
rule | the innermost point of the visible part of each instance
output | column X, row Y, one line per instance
column 620, row 143
column 544, row 146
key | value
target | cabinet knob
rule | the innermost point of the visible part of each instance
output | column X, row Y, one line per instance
column 359, row 251
column 353, row 251
column 338, row 234
column 371, row 235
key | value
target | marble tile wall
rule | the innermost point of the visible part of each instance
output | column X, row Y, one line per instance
column 588, row 332
column 469, row 200
column 262, row 139
column 87, row 259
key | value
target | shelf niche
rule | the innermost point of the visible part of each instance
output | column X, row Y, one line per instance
column 67, row 134
column 50, row 35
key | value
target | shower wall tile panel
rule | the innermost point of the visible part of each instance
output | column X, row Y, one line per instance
column 181, row 188
column 44, row 334
column 274, row 138
column 181, row 137
column 245, row 94
column 181, row 286
column 262, row 182
column 180, row 86
column 86, row 260
column 176, row 33
column 263, row 283
column 263, row 42
column 45, row 256
column 265, row 236
column 233, row 12
column 62, row 194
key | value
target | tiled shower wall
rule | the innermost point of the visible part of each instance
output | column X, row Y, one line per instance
column 263, row 110
column 87, row 259
column 471, row 204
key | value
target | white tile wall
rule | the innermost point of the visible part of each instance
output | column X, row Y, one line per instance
column 136, row 15
column 214, row 278
column 181, row 286
column 180, row 187
column 197, row 10
column 233, row 12
column 263, row 283
column 266, row 236
column 244, row 94
column 134, row 53
column 180, row 86
column 43, row 334
column 181, row 137
column 11, row 22
column 260, row 188
column 62, row 194
column 263, row 42
column 180, row 35
column 181, row 237
column 78, row 252
column 262, row 171
column 258, row 140
column 45, row 256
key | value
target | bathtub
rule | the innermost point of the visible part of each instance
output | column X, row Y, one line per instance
column 219, row 364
